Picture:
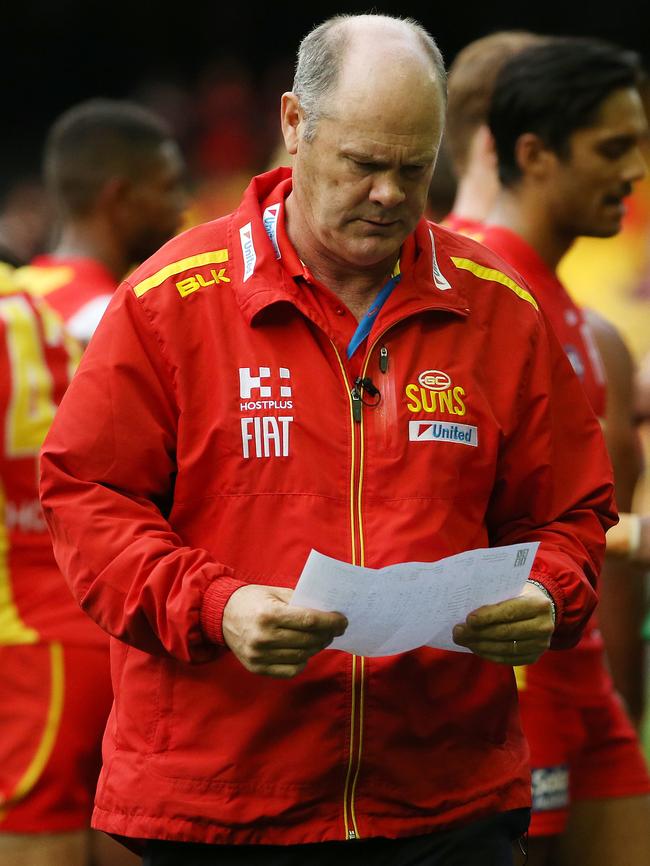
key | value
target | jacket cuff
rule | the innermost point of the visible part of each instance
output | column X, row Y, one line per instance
column 550, row 586
column 215, row 599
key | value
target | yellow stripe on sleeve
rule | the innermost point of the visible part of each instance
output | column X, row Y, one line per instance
column 493, row 275
column 215, row 257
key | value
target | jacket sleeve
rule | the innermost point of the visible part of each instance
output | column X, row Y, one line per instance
column 107, row 480
column 554, row 485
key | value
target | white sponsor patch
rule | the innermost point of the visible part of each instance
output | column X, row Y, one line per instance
column 266, row 436
column 266, row 389
column 248, row 250
column 550, row 788
column 438, row 278
column 443, row 431
column 270, row 220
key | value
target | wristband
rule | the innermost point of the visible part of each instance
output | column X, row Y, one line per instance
column 546, row 593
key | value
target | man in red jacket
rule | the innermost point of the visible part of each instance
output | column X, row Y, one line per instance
column 225, row 421
column 556, row 94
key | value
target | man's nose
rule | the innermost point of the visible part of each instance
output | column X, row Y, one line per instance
column 636, row 166
column 387, row 190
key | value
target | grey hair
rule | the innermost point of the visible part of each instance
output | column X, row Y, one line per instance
column 320, row 57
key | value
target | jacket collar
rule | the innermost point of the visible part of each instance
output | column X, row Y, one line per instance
column 261, row 277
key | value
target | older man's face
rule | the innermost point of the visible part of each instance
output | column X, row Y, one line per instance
column 361, row 183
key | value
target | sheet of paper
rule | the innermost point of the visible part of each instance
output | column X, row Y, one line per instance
column 400, row 607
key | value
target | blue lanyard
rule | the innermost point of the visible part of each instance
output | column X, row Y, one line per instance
column 365, row 325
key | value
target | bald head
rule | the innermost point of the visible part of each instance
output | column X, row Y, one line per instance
column 364, row 57
column 363, row 124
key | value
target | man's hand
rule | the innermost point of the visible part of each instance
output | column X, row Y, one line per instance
column 513, row 632
column 271, row 638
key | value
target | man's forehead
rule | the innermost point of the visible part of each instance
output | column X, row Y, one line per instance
column 620, row 109
column 411, row 147
column 382, row 125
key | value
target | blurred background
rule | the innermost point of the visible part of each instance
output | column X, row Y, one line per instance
column 215, row 71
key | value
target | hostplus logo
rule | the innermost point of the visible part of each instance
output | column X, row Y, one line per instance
column 261, row 390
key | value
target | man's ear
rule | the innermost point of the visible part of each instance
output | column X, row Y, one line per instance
column 112, row 193
column 292, row 119
column 533, row 157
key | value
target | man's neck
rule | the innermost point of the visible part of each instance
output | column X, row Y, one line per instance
column 83, row 240
column 356, row 287
column 474, row 196
column 526, row 216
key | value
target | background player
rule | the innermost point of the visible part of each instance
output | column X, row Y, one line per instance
column 567, row 122
column 116, row 177
column 115, row 174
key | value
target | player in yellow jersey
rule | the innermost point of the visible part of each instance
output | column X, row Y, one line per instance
column 115, row 174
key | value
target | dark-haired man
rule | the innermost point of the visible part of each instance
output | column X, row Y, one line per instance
column 567, row 122
column 116, row 178
column 467, row 137
column 220, row 427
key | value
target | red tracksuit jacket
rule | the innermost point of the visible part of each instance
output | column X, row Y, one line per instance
column 212, row 436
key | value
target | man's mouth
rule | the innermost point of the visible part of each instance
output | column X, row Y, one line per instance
column 617, row 199
column 379, row 223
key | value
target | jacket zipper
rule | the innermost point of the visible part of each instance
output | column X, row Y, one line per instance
column 358, row 558
column 356, row 704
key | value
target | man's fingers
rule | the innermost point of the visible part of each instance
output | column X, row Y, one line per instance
column 500, row 644
column 269, row 637
column 279, row 671
column 291, row 639
column 513, row 610
column 512, row 649
column 304, row 619
column 533, row 629
column 282, row 656
column 529, row 605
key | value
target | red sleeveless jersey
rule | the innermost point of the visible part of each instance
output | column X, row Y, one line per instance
column 580, row 672
column 37, row 359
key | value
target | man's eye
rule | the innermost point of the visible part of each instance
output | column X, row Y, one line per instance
column 412, row 170
column 363, row 166
column 614, row 150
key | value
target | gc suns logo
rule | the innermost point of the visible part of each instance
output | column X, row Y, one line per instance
column 434, row 392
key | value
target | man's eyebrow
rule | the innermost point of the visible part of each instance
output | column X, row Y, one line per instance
column 361, row 155
column 622, row 142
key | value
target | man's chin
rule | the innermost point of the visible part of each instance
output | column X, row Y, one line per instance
column 606, row 230
column 370, row 251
